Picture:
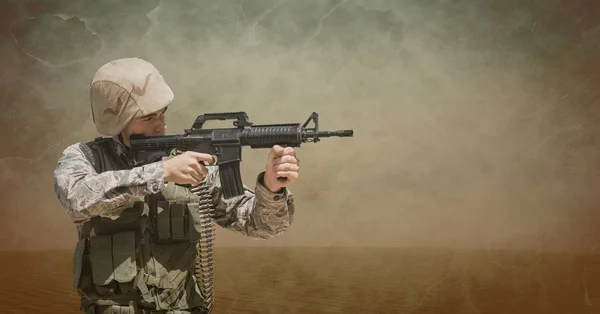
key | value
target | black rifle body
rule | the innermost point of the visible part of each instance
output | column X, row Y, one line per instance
column 226, row 143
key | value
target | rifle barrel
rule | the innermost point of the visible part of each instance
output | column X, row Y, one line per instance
column 339, row 133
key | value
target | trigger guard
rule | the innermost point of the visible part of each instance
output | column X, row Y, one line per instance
column 215, row 160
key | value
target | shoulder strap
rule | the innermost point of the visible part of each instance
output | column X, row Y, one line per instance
column 97, row 146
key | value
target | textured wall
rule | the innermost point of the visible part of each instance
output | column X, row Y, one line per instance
column 475, row 121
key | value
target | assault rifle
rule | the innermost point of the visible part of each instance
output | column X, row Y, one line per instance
column 226, row 143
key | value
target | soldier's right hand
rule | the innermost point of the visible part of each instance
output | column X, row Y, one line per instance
column 186, row 168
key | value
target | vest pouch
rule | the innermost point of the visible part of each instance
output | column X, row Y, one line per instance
column 78, row 259
column 129, row 219
column 113, row 263
column 170, row 222
column 167, row 275
column 162, row 222
column 194, row 222
column 178, row 222
column 124, row 261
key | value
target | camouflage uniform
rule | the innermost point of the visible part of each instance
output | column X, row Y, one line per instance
column 138, row 235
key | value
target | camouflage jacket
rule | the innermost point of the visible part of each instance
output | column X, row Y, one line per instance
column 84, row 193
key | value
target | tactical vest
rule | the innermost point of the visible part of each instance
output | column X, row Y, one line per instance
column 148, row 260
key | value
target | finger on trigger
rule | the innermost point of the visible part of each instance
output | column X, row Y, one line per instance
column 204, row 158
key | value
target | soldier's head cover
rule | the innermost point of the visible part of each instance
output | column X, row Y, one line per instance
column 124, row 89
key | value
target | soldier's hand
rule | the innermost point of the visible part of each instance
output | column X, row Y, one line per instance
column 282, row 168
column 186, row 168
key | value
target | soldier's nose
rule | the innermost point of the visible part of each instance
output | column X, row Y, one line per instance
column 162, row 127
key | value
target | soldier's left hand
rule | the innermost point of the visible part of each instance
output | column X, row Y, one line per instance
column 282, row 168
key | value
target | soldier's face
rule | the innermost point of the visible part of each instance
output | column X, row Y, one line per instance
column 149, row 125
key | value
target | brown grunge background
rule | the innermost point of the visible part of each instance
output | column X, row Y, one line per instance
column 470, row 186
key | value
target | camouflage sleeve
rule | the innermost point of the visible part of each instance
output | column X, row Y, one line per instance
column 84, row 193
column 259, row 214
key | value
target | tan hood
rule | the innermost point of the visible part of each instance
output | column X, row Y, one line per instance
column 124, row 89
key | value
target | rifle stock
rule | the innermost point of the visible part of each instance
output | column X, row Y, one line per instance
column 226, row 143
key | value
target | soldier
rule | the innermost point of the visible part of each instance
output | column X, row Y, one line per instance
column 141, row 236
